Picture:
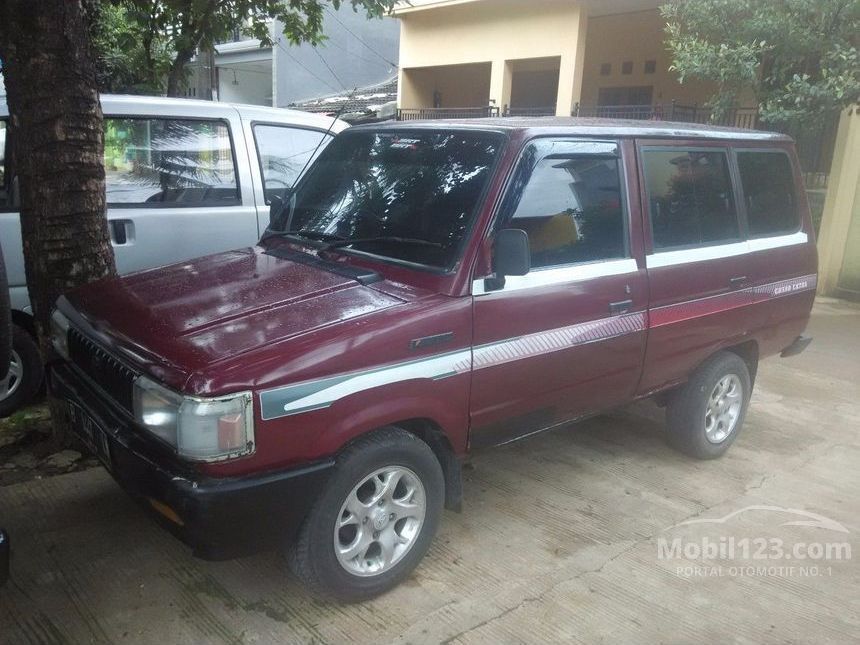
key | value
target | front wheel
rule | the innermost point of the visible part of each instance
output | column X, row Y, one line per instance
column 705, row 416
column 25, row 373
column 375, row 519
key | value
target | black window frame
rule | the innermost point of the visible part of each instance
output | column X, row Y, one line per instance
column 501, row 219
column 740, row 213
column 202, row 204
column 741, row 195
column 325, row 133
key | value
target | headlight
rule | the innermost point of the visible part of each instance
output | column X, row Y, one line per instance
column 199, row 429
column 60, row 333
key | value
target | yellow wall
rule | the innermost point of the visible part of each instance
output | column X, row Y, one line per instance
column 507, row 33
column 458, row 85
column 496, row 32
column 636, row 37
column 839, row 238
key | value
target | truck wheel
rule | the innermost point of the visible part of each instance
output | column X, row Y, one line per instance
column 705, row 416
column 25, row 373
column 375, row 519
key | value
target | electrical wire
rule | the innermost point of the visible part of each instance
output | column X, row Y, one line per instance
column 300, row 64
column 328, row 67
column 359, row 39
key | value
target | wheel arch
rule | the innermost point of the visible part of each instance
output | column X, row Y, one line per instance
column 431, row 433
column 25, row 321
column 748, row 352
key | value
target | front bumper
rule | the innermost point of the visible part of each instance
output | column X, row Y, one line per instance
column 218, row 518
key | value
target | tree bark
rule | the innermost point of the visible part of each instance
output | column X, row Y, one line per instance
column 176, row 77
column 58, row 148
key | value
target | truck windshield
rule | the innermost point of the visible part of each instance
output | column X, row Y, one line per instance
column 382, row 189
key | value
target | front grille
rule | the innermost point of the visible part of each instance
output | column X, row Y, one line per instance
column 107, row 372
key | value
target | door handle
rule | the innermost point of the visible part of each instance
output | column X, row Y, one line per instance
column 620, row 307
column 737, row 281
column 121, row 231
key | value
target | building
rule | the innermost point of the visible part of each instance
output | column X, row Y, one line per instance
column 594, row 57
column 358, row 52
column 602, row 58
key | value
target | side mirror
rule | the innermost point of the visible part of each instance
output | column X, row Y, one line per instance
column 511, row 255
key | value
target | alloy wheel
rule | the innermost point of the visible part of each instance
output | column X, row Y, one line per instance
column 380, row 521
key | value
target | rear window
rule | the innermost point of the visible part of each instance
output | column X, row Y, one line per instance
column 690, row 197
column 769, row 193
column 180, row 162
column 421, row 185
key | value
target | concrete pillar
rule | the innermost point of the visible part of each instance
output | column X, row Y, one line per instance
column 572, row 65
column 842, row 205
column 500, row 84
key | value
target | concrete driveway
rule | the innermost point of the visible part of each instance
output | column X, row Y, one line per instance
column 560, row 540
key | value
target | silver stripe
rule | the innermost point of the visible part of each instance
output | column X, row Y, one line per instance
column 555, row 340
column 321, row 393
column 702, row 253
column 560, row 275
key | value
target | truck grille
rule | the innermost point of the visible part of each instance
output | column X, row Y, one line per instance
column 107, row 372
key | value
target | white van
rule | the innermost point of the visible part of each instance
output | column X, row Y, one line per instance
column 184, row 178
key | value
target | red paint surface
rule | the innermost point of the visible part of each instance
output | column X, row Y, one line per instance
column 245, row 320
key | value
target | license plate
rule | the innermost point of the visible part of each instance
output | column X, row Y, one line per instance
column 91, row 434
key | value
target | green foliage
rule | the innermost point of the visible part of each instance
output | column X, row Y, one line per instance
column 799, row 57
column 149, row 42
column 127, row 62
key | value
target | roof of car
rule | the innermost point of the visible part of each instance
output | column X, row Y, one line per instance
column 144, row 106
column 588, row 127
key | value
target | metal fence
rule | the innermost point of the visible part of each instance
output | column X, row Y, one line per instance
column 735, row 117
column 417, row 114
column 529, row 111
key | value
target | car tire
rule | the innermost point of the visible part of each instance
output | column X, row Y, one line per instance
column 706, row 414
column 370, row 507
column 25, row 373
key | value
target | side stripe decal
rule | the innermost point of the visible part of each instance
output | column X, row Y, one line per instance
column 321, row 393
column 556, row 339
column 742, row 297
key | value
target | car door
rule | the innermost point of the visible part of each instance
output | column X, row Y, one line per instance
column 697, row 257
column 566, row 339
column 178, row 186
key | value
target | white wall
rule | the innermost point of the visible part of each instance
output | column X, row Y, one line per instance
column 254, row 87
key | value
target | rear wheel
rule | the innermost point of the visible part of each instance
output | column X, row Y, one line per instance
column 705, row 416
column 25, row 373
column 375, row 519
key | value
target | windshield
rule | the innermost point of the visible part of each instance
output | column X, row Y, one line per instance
column 418, row 186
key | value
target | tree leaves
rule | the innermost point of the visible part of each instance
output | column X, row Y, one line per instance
column 798, row 57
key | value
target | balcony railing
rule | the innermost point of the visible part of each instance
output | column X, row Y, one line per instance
column 529, row 111
column 419, row 114
column 736, row 117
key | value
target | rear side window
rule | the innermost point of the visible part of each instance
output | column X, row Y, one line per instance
column 177, row 162
column 769, row 193
column 571, row 208
column 283, row 153
column 690, row 197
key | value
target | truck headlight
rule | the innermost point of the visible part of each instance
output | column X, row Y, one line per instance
column 60, row 333
column 199, row 429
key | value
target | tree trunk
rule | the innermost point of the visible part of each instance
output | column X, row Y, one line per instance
column 57, row 147
column 176, row 78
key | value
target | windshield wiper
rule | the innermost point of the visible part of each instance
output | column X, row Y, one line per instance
column 307, row 235
column 381, row 238
column 316, row 235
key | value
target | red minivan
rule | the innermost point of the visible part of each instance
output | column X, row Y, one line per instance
column 426, row 289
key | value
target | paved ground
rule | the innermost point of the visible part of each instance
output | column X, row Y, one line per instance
column 558, row 542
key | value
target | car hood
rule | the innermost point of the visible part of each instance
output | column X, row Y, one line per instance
column 177, row 320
